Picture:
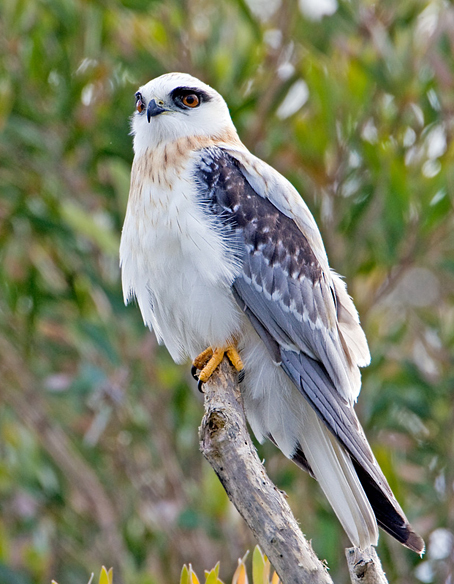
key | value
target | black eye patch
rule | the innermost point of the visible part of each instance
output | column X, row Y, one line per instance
column 140, row 103
column 179, row 95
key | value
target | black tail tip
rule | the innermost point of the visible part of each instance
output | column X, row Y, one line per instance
column 415, row 543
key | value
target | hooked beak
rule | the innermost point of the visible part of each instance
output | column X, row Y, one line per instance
column 154, row 109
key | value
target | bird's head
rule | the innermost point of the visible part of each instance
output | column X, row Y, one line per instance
column 177, row 105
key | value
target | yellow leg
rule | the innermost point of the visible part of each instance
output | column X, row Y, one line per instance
column 201, row 360
column 210, row 367
column 234, row 358
column 208, row 361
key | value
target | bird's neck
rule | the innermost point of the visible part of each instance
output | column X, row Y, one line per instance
column 186, row 144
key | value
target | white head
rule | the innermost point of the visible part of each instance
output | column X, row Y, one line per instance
column 177, row 105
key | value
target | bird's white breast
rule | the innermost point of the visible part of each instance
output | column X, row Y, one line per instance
column 174, row 257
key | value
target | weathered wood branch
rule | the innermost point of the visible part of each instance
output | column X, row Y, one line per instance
column 226, row 444
column 365, row 566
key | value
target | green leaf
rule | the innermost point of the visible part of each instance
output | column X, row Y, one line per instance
column 106, row 577
column 85, row 224
column 184, row 577
column 194, row 578
column 260, row 567
column 212, row 576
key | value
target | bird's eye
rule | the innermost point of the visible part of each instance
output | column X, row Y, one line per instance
column 188, row 97
column 140, row 104
column 190, row 100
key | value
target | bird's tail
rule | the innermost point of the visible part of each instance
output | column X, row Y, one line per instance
column 302, row 413
column 288, row 420
column 359, row 502
column 335, row 448
column 333, row 468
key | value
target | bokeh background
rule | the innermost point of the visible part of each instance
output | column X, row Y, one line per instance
column 353, row 102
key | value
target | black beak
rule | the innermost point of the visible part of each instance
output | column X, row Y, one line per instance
column 154, row 109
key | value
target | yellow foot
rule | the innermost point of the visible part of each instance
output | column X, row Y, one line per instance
column 208, row 361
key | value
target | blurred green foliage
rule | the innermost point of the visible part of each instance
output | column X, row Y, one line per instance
column 98, row 430
column 105, row 577
column 261, row 572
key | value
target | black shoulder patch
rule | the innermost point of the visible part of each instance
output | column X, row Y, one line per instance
column 266, row 232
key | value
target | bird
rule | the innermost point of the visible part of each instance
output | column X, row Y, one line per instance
column 224, row 257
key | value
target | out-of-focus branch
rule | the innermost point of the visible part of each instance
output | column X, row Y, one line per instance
column 365, row 566
column 226, row 444
column 19, row 391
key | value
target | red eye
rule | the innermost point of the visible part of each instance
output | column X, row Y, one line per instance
column 140, row 105
column 191, row 100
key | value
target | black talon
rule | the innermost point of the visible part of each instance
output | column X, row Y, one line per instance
column 199, row 386
column 241, row 376
column 194, row 372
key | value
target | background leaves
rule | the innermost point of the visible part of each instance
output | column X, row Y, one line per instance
column 99, row 460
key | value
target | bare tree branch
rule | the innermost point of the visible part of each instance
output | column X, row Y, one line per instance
column 226, row 444
column 365, row 566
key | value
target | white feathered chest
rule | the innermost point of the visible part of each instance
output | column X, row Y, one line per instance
column 174, row 257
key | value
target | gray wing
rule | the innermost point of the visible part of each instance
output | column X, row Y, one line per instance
column 281, row 283
column 283, row 291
